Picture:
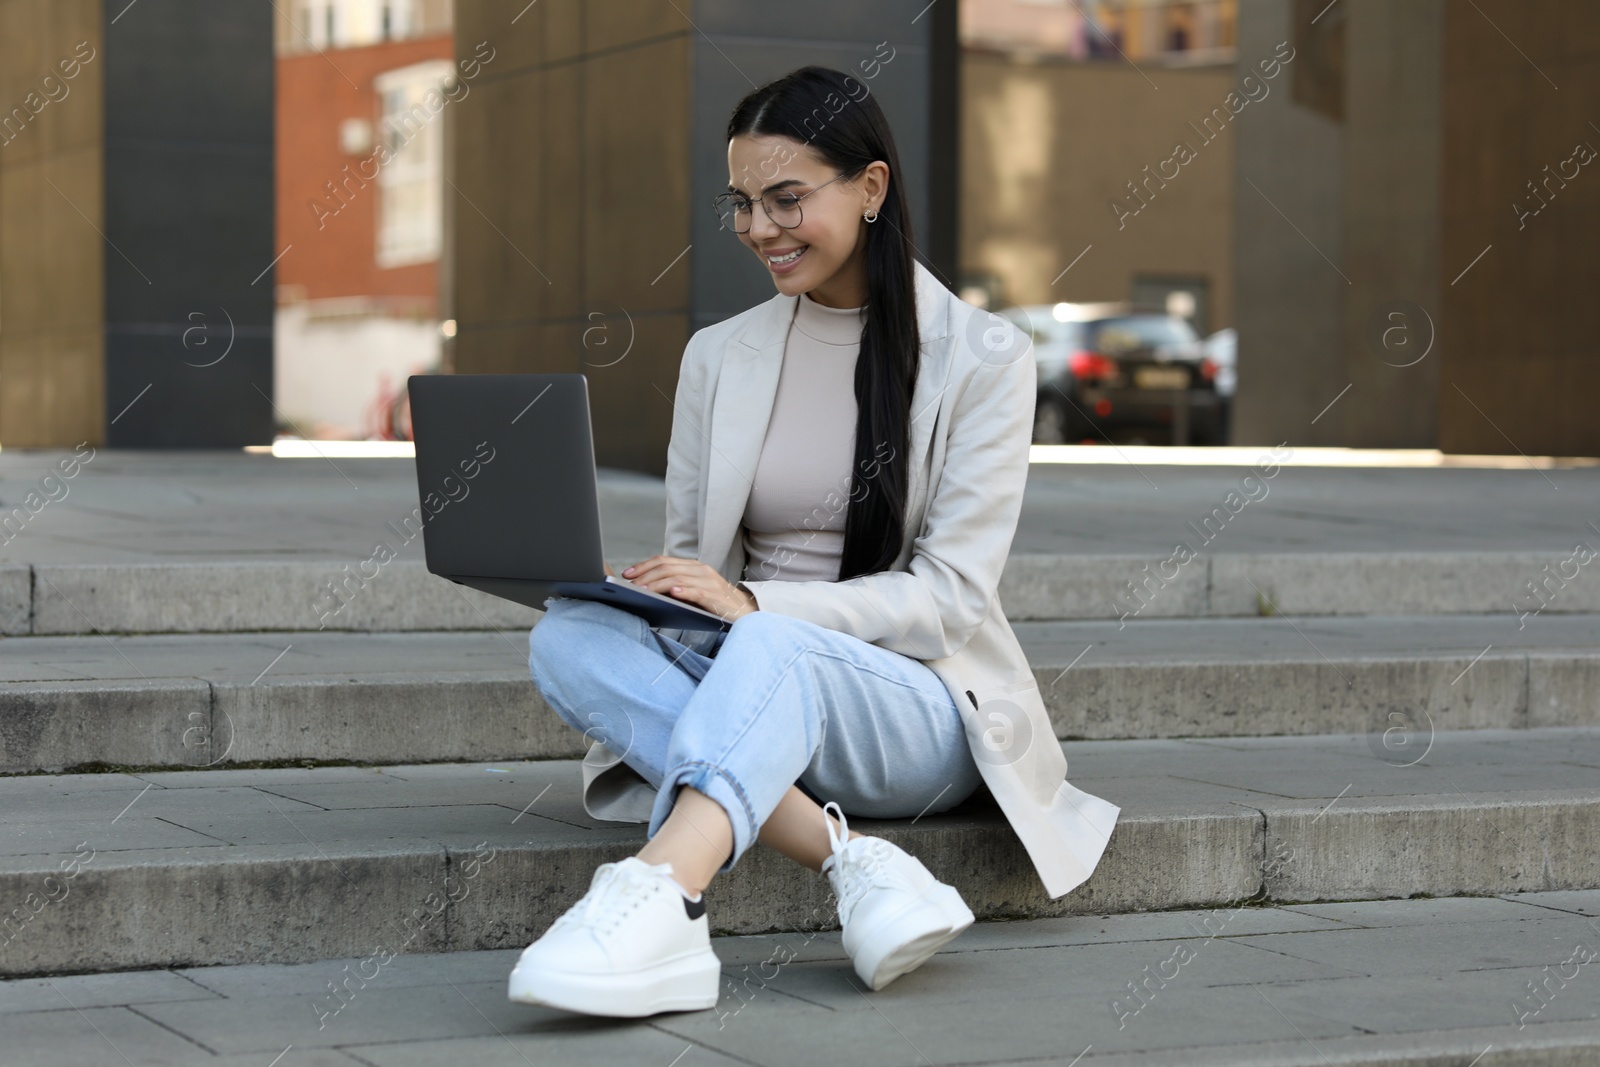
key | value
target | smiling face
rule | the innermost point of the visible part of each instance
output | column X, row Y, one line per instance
column 831, row 237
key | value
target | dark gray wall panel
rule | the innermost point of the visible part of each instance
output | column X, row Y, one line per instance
column 163, row 396
column 189, row 217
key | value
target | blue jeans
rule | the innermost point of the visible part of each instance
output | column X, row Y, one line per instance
column 771, row 702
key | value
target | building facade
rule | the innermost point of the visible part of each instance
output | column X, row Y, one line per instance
column 366, row 93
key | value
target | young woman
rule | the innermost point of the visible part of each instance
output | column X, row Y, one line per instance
column 844, row 478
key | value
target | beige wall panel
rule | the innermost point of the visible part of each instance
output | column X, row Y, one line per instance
column 54, row 393
column 1518, row 334
column 512, row 348
column 617, row 23
column 594, row 191
column 1044, row 151
column 500, row 206
column 636, row 178
column 566, row 134
column 632, row 396
column 68, row 260
column 563, row 29
column 1291, row 299
column 23, row 29
column 52, row 257
column 1391, row 221
column 518, row 45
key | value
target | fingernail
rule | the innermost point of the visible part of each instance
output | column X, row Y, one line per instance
column 628, row 570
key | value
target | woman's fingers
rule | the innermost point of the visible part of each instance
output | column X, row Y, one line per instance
column 691, row 589
column 661, row 573
column 648, row 570
column 637, row 571
column 664, row 577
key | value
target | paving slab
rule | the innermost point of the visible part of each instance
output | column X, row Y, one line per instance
column 315, row 1016
column 149, row 506
column 1550, row 1045
column 98, row 1035
column 1524, row 944
column 1434, row 982
column 1579, row 903
column 1505, row 907
column 122, row 988
column 207, row 506
column 218, row 866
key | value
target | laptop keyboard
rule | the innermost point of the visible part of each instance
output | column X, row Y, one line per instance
column 613, row 579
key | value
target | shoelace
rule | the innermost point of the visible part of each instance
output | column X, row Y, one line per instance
column 858, row 869
column 616, row 888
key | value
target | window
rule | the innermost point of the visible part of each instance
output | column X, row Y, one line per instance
column 1115, row 337
column 410, row 185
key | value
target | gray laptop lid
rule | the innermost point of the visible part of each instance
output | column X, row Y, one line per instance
column 506, row 480
column 498, row 457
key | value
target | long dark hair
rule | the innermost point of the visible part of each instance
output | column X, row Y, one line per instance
column 849, row 131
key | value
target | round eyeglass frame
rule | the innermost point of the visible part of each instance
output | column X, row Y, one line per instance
column 727, row 198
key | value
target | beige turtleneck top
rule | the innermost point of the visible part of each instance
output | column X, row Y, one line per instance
column 793, row 528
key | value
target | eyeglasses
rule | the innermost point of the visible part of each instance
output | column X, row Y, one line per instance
column 735, row 211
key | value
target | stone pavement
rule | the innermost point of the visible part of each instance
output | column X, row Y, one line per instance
column 196, row 506
column 1484, row 981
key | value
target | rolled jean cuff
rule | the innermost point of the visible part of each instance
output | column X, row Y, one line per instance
column 720, row 786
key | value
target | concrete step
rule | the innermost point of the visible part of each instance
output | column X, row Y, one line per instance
column 360, row 593
column 215, row 700
column 1366, row 984
column 119, row 871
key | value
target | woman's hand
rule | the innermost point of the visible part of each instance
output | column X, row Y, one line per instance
column 692, row 581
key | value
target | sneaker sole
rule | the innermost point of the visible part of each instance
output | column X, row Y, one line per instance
column 689, row 983
column 911, row 939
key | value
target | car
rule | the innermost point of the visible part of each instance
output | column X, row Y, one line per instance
column 1057, row 333
column 1144, row 375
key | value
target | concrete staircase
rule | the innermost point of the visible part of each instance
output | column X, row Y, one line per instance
column 1351, row 755
column 246, row 760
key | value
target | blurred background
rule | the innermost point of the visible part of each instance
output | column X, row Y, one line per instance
column 1365, row 223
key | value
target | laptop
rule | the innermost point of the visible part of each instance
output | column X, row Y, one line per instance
column 506, row 480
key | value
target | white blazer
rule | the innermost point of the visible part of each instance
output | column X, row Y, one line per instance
column 972, row 424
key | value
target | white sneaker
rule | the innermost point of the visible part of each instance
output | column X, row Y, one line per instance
column 633, row 945
column 895, row 914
